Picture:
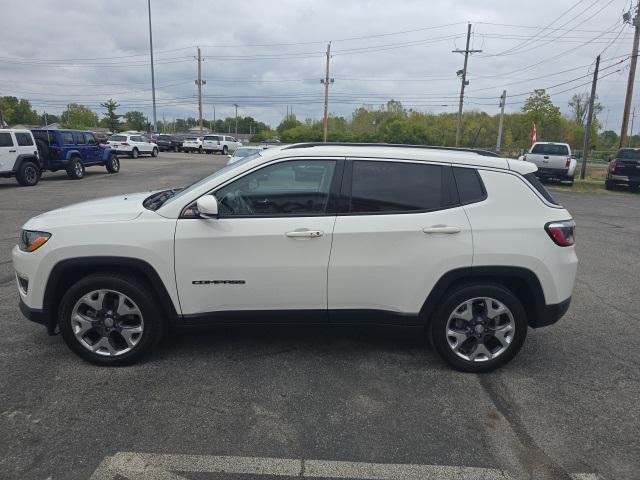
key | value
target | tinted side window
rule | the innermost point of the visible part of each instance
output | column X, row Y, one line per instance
column 5, row 139
column 298, row 187
column 80, row 138
column 379, row 187
column 67, row 138
column 24, row 139
column 470, row 187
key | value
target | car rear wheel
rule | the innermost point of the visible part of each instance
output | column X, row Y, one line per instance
column 479, row 327
column 28, row 174
column 225, row 150
column 110, row 319
column 154, row 152
column 199, row 149
column 113, row 164
column 176, row 149
column 134, row 153
column 75, row 169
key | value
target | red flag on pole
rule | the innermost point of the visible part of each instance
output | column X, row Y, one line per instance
column 534, row 134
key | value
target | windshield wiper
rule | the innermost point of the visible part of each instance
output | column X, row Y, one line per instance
column 156, row 200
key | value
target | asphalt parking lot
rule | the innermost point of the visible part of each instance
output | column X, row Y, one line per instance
column 285, row 403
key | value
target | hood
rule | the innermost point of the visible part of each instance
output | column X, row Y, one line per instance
column 110, row 209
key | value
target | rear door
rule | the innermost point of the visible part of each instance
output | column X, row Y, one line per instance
column 93, row 150
column 81, row 145
column 400, row 228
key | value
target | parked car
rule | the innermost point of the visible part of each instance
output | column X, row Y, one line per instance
column 624, row 169
column 19, row 156
column 243, row 152
column 101, row 137
column 469, row 248
column 133, row 145
column 220, row 143
column 169, row 142
column 553, row 160
column 192, row 144
column 73, row 151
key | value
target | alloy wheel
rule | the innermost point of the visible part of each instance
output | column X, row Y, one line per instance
column 107, row 322
column 480, row 329
column 30, row 174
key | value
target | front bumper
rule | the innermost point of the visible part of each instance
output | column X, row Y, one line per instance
column 34, row 314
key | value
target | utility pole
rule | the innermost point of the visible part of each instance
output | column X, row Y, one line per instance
column 503, row 100
column 464, row 82
column 236, row 105
column 326, row 80
column 214, row 119
column 47, row 123
column 633, row 117
column 587, row 132
column 632, row 73
column 153, row 80
column 200, row 82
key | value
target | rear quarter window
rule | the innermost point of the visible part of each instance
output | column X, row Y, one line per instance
column 24, row 139
column 536, row 184
column 5, row 139
column 470, row 186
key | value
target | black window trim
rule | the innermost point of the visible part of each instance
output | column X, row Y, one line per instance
column 332, row 202
column 345, row 193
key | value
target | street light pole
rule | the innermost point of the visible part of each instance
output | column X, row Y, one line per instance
column 153, row 80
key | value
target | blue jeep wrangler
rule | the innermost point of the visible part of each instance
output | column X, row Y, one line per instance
column 73, row 150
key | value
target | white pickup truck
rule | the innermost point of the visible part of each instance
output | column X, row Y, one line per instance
column 553, row 160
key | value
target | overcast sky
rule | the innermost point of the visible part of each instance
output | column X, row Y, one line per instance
column 265, row 55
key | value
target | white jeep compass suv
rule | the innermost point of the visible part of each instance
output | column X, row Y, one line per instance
column 464, row 245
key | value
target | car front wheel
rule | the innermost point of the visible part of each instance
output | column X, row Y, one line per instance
column 110, row 319
column 154, row 152
column 479, row 327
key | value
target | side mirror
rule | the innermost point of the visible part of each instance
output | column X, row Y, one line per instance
column 208, row 206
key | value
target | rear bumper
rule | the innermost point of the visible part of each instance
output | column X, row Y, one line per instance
column 552, row 172
column 550, row 314
column 624, row 178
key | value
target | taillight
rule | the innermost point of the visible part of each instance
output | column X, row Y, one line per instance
column 613, row 165
column 568, row 162
column 562, row 232
column 124, row 144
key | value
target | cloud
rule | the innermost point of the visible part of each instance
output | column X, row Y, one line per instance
column 87, row 52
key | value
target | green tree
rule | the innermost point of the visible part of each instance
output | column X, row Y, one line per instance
column 539, row 109
column 18, row 111
column 78, row 116
column 111, row 119
column 288, row 123
column 579, row 105
column 136, row 121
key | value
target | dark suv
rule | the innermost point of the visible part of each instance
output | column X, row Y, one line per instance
column 73, row 150
column 169, row 142
column 624, row 168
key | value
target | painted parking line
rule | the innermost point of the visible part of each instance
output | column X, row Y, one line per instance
column 148, row 466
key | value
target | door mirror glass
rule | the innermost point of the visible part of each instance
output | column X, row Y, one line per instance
column 207, row 206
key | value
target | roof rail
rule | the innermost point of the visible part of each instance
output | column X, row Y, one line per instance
column 479, row 151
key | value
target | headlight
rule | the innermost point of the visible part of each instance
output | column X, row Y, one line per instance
column 31, row 240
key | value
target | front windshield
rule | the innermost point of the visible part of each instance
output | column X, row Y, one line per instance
column 205, row 180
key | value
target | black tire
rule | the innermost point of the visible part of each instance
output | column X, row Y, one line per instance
column 28, row 173
column 113, row 164
column 134, row 153
column 43, row 151
column 609, row 185
column 75, row 169
column 176, row 149
column 154, row 152
column 634, row 187
column 138, row 291
column 225, row 150
column 453, row 299
column 200, row 149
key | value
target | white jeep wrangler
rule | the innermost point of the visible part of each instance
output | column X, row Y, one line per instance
column 19, row 156
column 465, row 246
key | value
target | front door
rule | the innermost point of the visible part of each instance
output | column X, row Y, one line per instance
column 267, row 251
column 401, row 230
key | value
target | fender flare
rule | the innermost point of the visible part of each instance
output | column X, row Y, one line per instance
column 52, row 295
column 534, row 301
column 25, row 157
column 73, row 153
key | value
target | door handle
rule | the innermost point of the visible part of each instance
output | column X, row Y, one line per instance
column 305, row 234
column 441, row 229
column 12, row 151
